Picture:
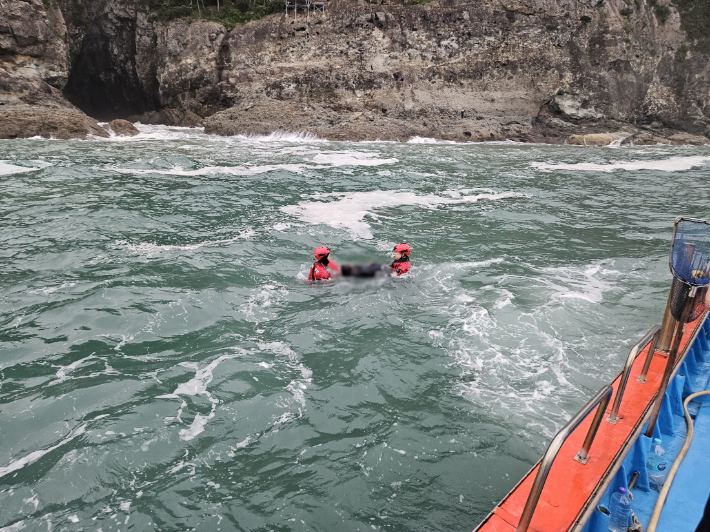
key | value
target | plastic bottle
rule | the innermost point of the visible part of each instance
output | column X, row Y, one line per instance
column 620, row 511
column 656, row 465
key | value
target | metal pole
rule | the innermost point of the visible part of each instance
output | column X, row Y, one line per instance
column 670, row 363
column 649, row 357
column 635, row 350
column 583, row 454
column 543, row 470
column 668, row 324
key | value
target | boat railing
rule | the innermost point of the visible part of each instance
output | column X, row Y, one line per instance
column 650, row 336
column 601, row 399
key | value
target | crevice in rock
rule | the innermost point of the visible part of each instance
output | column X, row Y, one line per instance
column 103, row 81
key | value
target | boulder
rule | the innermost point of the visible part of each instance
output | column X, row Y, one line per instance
column 28, row 121
column 123, row 128
column 573, row 105
column 645, row 138
column 687, row 138
column 168, row 117
column 597, row 139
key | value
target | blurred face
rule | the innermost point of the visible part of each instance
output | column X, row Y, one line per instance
column 398, row 255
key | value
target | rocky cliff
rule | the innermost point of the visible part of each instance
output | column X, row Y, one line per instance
column 34, row 68
column 538, row 70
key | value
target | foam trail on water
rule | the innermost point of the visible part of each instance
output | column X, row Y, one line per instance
column 197, row 386
column 297, row 387
column 477, row 264
column 150, row 249
column 350, row 210
column 672, row 164
column 9, row 169
column 36, row 455
column 14, row 527
column 351, row 158
column 211, row 170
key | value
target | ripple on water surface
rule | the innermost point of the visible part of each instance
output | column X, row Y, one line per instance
column 166, row 367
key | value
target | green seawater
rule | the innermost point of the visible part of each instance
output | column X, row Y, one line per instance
column 165, row 366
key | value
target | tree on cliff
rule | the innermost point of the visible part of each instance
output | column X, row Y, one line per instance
column 228, row 12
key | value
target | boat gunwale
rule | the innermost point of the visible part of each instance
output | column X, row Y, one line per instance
column 605, row 479
column 580, row 522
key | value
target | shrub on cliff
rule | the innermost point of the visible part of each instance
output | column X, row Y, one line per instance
column 227, row 12
column 662, row 13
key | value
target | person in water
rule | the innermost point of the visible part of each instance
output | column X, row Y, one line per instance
column 401, row 262
column 400, row 265
column 354, row 270
column 323, row 266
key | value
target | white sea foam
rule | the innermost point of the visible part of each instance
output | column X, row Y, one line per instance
column 212, row 170
column 36, row 455
column 322, row 160
column 9, row 169
column 149, row 133
column 197, row 386
column 350, row 210
column 477, row 264
column 429, row 140
column 422, row 140
column 51, row 289
column 150, row 249
column 64, row 370
column 672, row 164
column 351, row 158
column 284, row 136
column 297, row 387
column 15, row 527
column 589, row 283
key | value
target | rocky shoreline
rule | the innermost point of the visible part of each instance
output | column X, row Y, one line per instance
column 267, row 117
column 547, row 71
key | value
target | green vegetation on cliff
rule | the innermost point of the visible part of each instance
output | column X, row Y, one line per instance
column 695, row 20
column 227, row 12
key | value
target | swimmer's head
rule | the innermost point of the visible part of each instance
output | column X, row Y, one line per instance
column 402, row 249
column 321, row 252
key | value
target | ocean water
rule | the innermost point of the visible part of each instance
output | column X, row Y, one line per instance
column 165, row 366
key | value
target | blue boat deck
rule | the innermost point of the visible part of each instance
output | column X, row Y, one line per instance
column 691, row 488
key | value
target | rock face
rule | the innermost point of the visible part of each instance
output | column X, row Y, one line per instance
column 168, row 117
column 32, row 41
column 33, row 70
column 538, row 70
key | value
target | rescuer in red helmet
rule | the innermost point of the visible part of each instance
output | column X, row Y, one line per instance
column 323, row 265
column 401, row 262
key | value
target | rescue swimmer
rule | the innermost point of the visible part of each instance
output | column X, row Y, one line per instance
column 401, row 262
column 323, row 266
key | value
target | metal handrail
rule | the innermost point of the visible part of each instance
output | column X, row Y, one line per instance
column 635, row 350
column 602, row 399
column 649, row 356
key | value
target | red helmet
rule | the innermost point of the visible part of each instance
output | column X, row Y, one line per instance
column 403, row 248
column 321, row 252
